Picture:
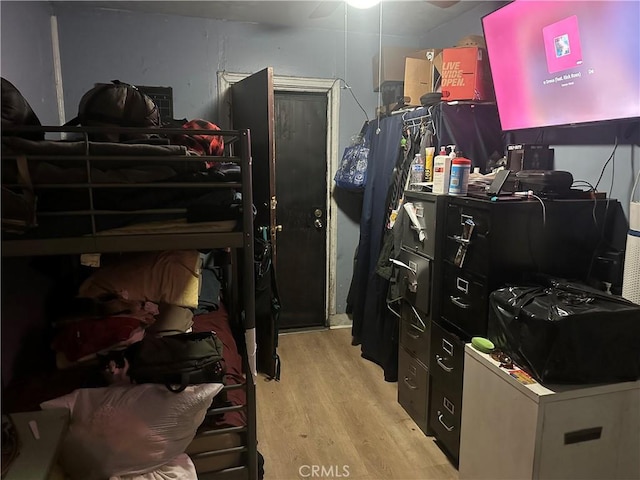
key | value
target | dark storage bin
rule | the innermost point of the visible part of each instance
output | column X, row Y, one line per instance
column 567, row 333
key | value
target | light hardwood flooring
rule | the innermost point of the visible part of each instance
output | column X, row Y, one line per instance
column 333, row 409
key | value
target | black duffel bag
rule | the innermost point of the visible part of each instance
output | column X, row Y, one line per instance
column 567, row 333
column 177, row 360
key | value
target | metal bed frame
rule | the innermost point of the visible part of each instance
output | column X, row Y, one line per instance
column 241, row 243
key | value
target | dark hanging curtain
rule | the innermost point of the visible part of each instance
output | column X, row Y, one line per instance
column 473, row 128
column 374, row 327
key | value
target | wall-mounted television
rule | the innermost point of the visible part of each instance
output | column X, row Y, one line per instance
column 564, row 62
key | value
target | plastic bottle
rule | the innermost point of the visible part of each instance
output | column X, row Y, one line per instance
column 416, row 173
column 459, row 181
column 441, row 172
column 428, row 164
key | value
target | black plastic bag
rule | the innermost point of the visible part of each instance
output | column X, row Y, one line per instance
column 567, row 333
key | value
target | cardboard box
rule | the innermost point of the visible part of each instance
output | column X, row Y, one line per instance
column 466, row 75
column 393, row 64
column 420, row 76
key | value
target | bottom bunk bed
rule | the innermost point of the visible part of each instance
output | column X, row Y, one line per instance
column 118, row 429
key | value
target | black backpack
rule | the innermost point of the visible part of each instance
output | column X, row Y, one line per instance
column 116, row 104
column 177, row 360
column 17, row 111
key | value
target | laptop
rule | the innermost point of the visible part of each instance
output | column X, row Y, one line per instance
column 496, row 189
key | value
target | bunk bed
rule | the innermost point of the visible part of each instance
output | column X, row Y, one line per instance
column 92, row 199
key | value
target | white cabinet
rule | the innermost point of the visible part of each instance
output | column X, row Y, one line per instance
column 515, row 431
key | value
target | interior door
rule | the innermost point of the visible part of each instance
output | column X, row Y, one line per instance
column 252, row 107
column 301, row 151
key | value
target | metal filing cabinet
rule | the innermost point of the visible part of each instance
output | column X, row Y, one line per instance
column 420, row 247
column 486, row 245
column 511, row 430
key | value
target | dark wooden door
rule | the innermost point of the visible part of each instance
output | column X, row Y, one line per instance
column 252, row 107
column 301, row 172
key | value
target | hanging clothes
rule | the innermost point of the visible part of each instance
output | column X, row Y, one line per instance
column 473, row 129
column 374, row 328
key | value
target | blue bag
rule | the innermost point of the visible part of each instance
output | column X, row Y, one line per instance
column 352, row 171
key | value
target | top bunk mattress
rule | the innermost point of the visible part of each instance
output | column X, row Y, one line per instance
column 57, row 189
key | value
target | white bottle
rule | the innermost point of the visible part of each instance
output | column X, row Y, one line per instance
column 416, row 173
column 441, row 172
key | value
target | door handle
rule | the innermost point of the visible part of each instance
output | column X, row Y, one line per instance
column 461, row 240
column 317, row 223
column 277, row 228
column 456, row 301
column 442, row 365
column 447, row 427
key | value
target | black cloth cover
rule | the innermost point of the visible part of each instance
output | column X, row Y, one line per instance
column 567, row 333
column 473, row 128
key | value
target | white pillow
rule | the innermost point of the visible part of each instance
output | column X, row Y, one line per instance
column 129, row 429
column 181, row 468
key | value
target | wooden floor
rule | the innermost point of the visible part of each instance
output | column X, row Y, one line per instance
column 333, row 410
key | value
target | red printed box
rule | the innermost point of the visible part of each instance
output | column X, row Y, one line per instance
column 465, row 74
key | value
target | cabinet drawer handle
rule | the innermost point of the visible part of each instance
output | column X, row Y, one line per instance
column 442, row 365
column 448, row 428
column 409, row 384
column 456, row 301
column 415, row 336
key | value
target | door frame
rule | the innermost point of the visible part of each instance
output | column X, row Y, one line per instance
column 330, row 87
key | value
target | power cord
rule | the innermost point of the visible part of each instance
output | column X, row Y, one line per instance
column 348, row 87
column 544, row 209
column 529, row 193
column 613, row 154
column 606, row 209
column 595, row 202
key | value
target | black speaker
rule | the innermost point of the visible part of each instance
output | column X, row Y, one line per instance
column 529, row 157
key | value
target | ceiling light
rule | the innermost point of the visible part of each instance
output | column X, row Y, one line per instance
column 363, row 3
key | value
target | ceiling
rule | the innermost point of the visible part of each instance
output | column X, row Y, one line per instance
column 399, row 16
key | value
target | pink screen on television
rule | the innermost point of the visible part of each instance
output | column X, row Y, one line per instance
column 564, row 62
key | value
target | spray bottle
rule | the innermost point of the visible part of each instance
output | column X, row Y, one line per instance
column 460, row 168
column 441, row 171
